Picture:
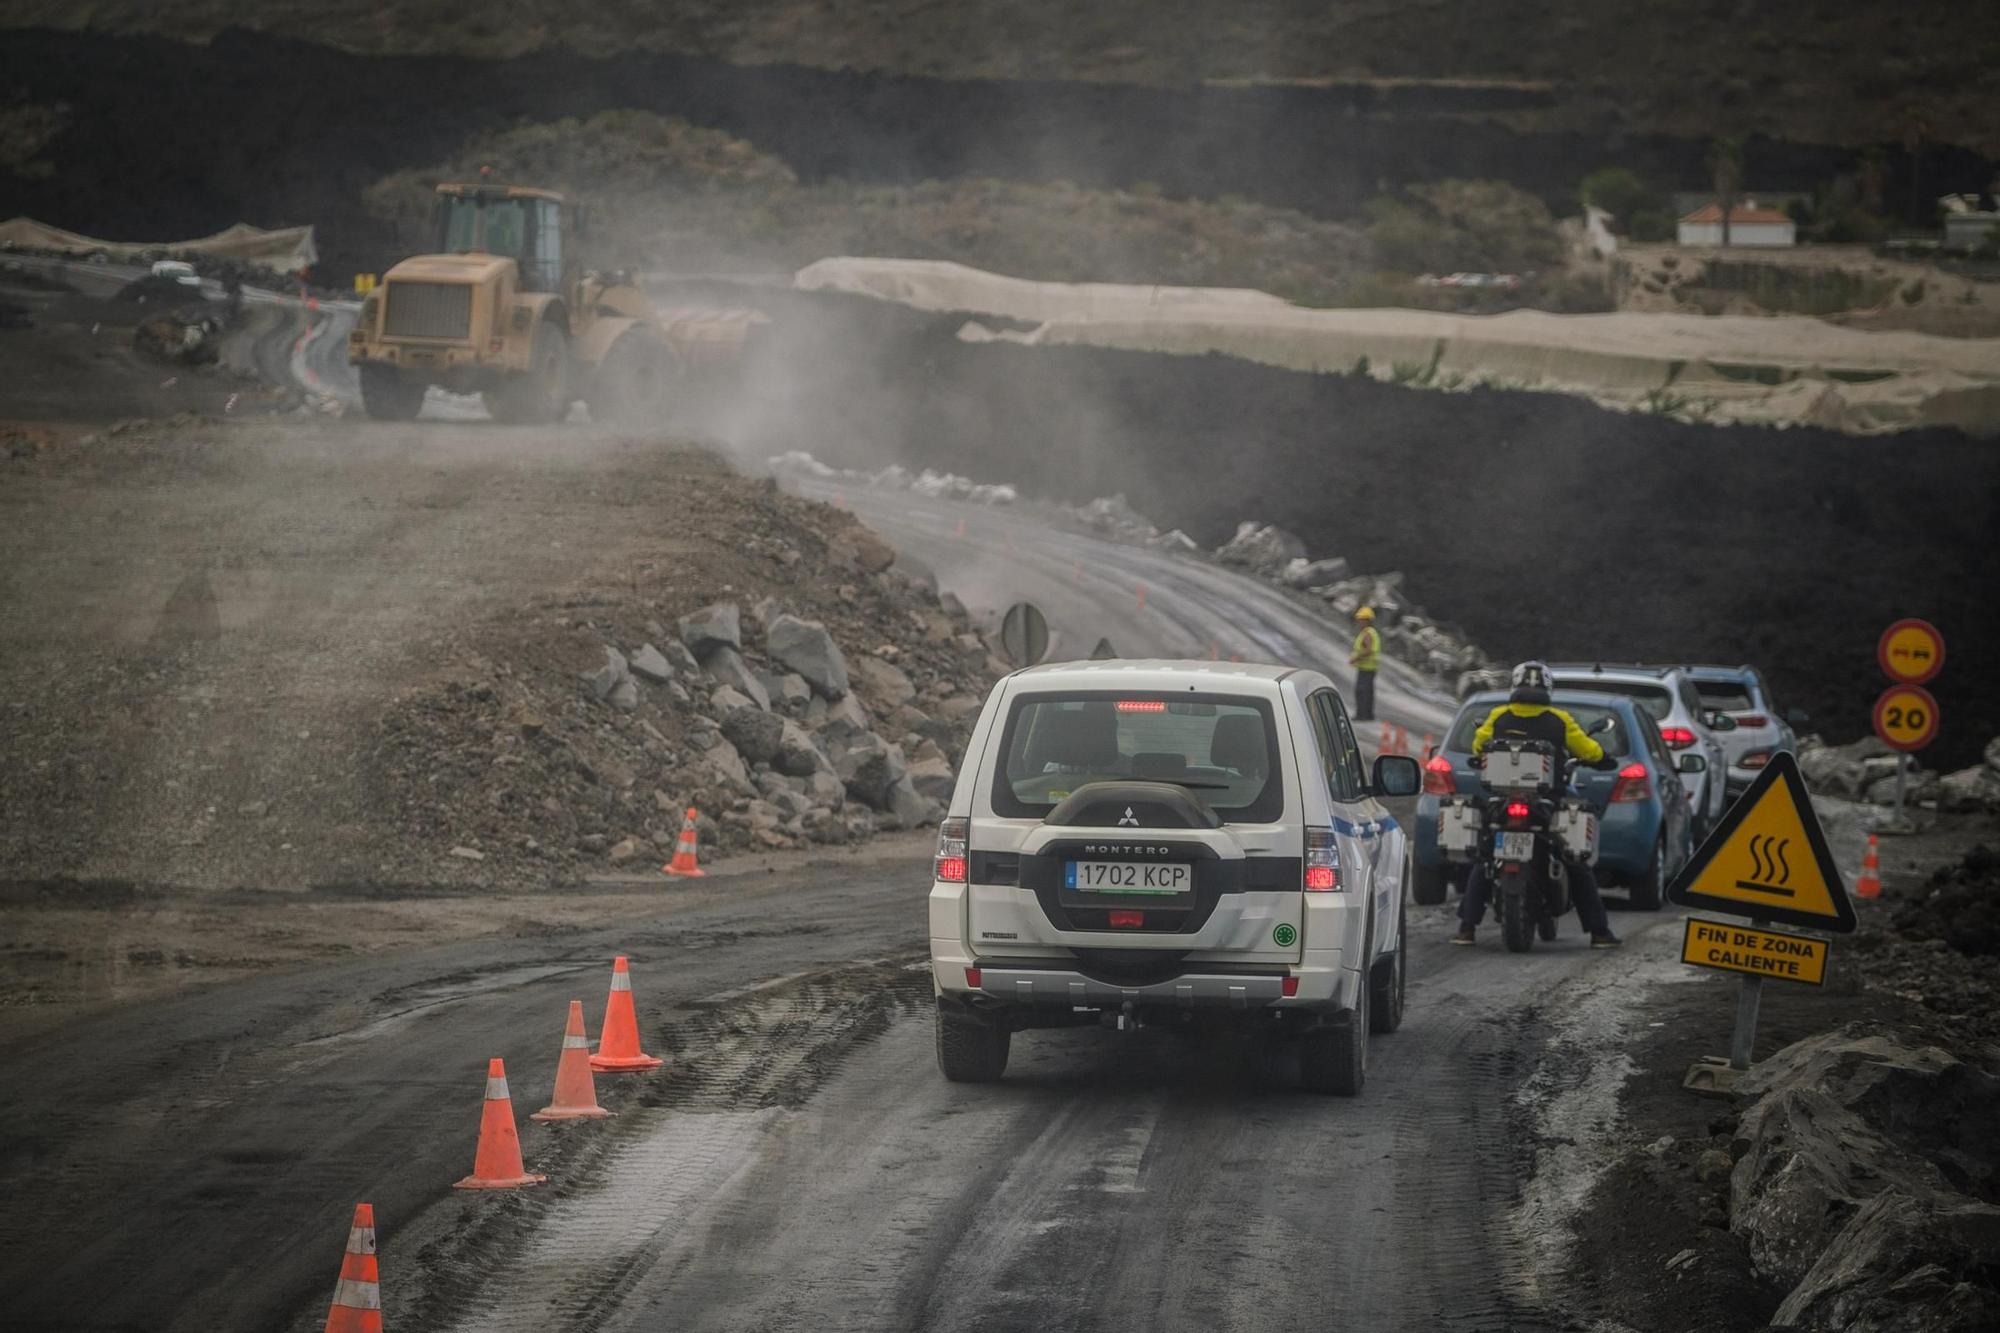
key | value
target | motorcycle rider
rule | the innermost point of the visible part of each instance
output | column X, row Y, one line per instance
column 1528, row 715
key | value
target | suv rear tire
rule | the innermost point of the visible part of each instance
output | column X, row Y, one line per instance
column 970, row 1049
column 1334, row 1058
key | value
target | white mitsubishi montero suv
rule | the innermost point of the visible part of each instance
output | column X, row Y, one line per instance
column 1184, row 843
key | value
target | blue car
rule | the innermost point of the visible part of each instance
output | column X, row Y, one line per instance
column 1645, row 825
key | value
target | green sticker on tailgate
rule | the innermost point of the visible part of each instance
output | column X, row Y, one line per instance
column 1285, row 935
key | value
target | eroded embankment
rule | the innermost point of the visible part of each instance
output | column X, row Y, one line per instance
column 1540, row 523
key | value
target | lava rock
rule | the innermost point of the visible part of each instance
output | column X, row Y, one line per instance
column 712, row 627
column 807, row 648
column 652, row 664
column 1261, row 547
column 726, row 666
column 756, row 734
column 1897, row 1266
column 882, row 683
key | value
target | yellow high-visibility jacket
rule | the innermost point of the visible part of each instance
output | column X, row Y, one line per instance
column 1367, row 654
column 1536, row 722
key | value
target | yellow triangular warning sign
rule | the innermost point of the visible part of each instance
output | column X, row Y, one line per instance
column 1768, row 859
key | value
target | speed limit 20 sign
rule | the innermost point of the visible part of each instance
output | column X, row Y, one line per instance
column 1906, row 717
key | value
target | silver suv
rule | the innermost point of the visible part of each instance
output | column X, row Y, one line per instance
column 1761, row 732
column 1186, row 844
column 1686, row 724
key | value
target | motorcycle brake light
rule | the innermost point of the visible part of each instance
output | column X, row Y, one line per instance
column 1633, row 784
column 1517, row 810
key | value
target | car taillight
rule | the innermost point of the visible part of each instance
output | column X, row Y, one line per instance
column 1142, row 705
column 972, row 978
column 1517, row 812
column 1755, row 759
column 951, row 850
column 1291, row 987
column 1437, row 777
column 1633, row 784
column 1677, row 738
column 1322, row 861
column 1751, row 719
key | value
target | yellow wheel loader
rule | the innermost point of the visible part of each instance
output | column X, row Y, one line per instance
column 504, row 308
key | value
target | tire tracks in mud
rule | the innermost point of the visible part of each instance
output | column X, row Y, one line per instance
column 802, row 1167
column 567, row 1257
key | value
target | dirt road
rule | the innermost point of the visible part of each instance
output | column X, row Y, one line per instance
column 189, row 1164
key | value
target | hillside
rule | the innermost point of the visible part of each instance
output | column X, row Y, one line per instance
column 1802, row 70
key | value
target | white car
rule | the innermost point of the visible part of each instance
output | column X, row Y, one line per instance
column 1686, row 724
column 1194, row 844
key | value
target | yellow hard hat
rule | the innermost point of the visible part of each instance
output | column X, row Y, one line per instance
column 1365, row 613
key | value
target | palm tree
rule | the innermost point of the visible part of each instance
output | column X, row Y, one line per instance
column 1725, row 172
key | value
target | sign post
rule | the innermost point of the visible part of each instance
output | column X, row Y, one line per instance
column 1909, row 652
column 1767, row 860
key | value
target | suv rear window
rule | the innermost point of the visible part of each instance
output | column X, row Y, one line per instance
column 1655, row 699
column 1221, row 748
column 1726, row 696
column 1615, row 742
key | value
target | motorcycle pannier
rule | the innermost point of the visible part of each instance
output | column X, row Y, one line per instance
column 1458, row 829
column 1575, row 826
column 1518, row 770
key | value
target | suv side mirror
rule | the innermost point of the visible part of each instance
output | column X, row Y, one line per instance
column 1397, row 775
column 1694, row 763
column 1602, row 724
column 1721, row 722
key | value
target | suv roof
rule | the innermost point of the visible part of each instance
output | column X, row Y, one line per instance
column 1627, row 669
column 1151, row 674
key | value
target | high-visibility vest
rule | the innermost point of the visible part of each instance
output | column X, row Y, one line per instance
column 1367, row 650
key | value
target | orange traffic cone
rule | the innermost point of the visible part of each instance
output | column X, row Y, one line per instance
column 576, row 1093
column 685, row 863
column 357, row 1299
column 497, row 1164
column 1870, row 883
column 618, row 1043
column 1383, row 744
column 1430, row 744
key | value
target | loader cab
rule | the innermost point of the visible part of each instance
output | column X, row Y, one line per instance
column 534, row 228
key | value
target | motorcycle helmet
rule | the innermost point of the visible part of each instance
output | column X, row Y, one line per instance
column 1531, row 676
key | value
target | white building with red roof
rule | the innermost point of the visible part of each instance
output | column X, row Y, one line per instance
column 1749, row 224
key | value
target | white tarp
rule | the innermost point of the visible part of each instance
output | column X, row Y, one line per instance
column 1781, row 369
column 287, row 249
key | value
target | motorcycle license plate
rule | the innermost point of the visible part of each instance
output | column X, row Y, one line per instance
column 1129, row 876
column 1514, row 846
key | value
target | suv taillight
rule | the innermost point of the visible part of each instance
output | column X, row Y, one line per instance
column 1755, row 759
column 1751, row 719
column 1437, row 777
column 1633, row 784
column 1322, row 861
column 951, row 850
column 1677, row 738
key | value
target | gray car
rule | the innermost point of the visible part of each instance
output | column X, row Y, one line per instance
column 1670, row 695
column 1762, row 729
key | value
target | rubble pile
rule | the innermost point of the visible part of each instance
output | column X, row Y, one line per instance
column 1865, row 770
column 1272, row 553
column 1866, row 1185
column 820, row 715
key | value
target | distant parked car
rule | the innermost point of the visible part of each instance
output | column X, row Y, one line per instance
column 179, row 270
column 1669, row 694
column 1645, row 832
column 1762, row 729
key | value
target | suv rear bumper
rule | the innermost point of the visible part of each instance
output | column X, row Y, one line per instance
column 1191, row 990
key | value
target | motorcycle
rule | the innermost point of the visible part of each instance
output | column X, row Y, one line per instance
column 1519, row 830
